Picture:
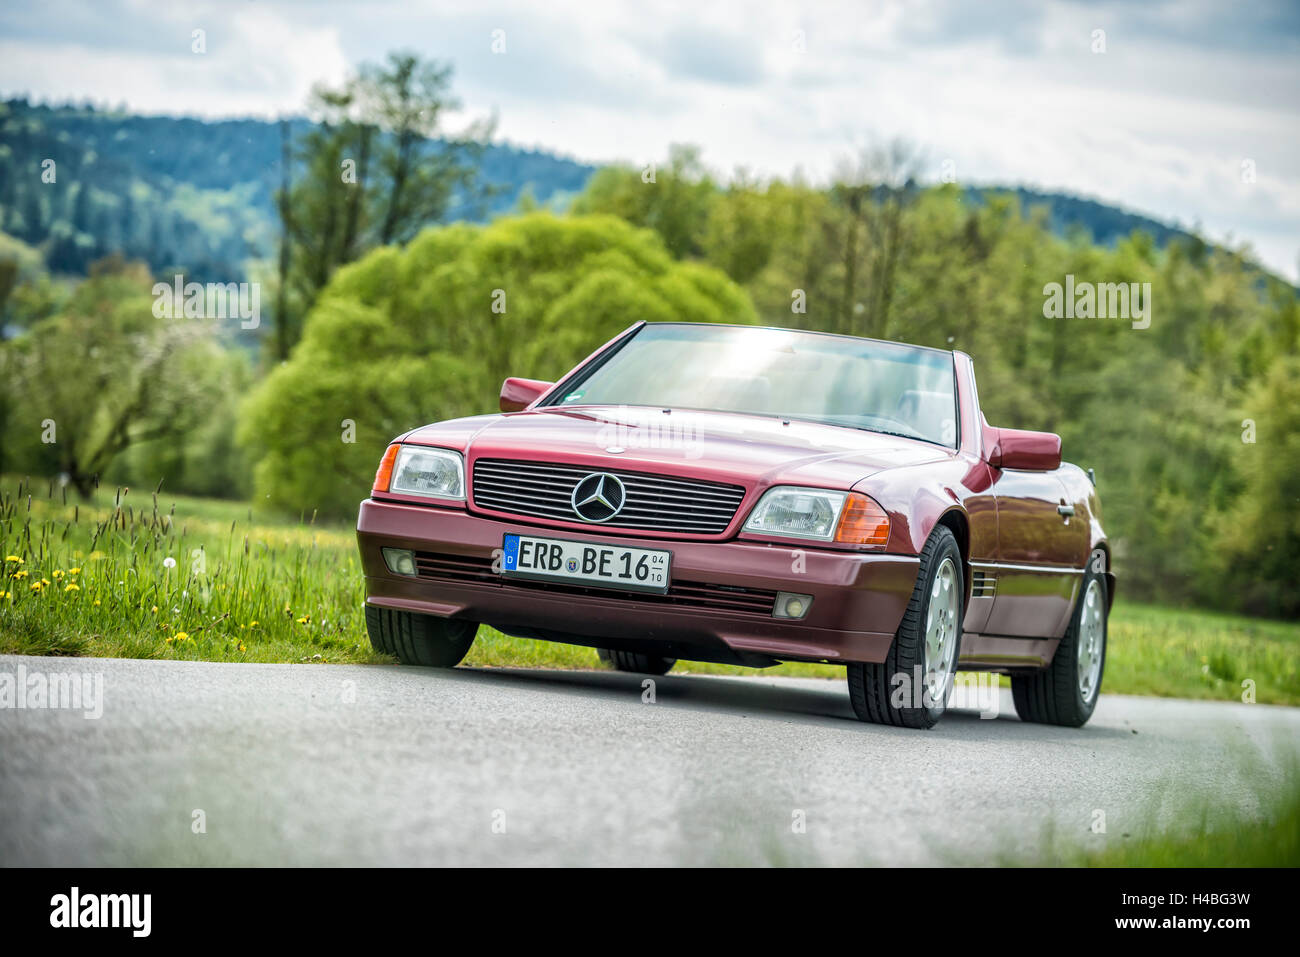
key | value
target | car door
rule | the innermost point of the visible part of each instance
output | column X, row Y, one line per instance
column 1035, row 577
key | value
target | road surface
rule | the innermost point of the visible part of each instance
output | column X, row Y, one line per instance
column 203, row 763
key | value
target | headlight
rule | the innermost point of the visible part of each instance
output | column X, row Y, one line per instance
column 436, row 473
column 797, row 512
column 848, row 518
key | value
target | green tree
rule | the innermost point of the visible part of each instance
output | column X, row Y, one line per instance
column 103, row 375
column 674, row 200
column 1260, row 533
column 375, row 168
column 412, row 335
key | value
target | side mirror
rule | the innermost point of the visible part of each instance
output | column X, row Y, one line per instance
column 1022, row 449
column 519, row 394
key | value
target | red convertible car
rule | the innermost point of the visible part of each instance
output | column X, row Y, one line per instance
column 750, row 495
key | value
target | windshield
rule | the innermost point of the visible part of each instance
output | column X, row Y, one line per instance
column 856, row 383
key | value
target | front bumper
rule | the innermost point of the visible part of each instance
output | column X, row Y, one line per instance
column 717, row 609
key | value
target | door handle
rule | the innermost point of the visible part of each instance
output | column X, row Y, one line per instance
column 1065, row 511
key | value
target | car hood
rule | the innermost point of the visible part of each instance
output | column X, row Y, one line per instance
column 743, row 449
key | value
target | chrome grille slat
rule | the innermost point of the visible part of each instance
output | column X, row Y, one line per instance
column 512, row 469
column 653, row 502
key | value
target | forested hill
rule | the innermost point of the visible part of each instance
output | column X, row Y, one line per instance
column 198, row 195
column 176, row 191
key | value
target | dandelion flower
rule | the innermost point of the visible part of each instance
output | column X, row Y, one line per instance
column 304, row 619
column 74, row 571
column 72, row 586
column 180, row 636
column 19, row 574
column 58, row 574
column 253, row 623
column 96, row 602
column 241, row 646
column 35, row 586
column 154, row 609
column 169, row 562
column 14, row 558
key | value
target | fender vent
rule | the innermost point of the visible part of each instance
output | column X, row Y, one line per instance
column 983, row 585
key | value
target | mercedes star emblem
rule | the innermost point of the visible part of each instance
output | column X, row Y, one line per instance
column 598, row 497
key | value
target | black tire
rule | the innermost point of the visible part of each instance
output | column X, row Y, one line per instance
column 1054, row 695
column 872, row 687
column 638, row 664
column 419, row 639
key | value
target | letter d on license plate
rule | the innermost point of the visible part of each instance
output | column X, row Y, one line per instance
column 586, row 563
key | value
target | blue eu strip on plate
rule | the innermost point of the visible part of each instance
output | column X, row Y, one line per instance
column 512, row 551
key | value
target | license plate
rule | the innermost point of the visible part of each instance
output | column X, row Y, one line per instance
column 586, row 563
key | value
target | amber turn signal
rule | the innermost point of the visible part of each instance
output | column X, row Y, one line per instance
column 384, row 474
column 862, row 522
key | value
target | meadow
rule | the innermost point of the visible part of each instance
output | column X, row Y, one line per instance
column 142, row 574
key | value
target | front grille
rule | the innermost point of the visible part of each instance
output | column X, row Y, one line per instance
column 731, row 599
column 654, row 502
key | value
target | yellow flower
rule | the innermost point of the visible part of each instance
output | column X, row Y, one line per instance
column 35, row 586
column 14, row 558
column 74, row 571
column 72, row 586
column 18, row 575
column 4, row 594
column 58, row 573
column 252, row 624
column 304, row 619
column 241, row 646
column 154, row 609
column 96, row 602
column 180, row 636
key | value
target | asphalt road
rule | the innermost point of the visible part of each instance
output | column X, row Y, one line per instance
column 323, row 764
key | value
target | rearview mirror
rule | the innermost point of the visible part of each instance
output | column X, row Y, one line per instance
column 1022, row 449
column 518, row 394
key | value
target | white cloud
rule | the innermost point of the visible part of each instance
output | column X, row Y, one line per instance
column 1159, row 123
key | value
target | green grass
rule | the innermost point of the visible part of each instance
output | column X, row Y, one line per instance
column 1195, row 830
column 250, row 584
column 1198, row 654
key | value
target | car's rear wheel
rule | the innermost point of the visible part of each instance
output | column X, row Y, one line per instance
column 633, row 662
column 419, row 639
column 1066, row 691
column 911, row 687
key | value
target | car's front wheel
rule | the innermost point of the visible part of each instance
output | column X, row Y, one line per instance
column 1066, row 691
column 419, row 639
column 638, row 664
column 911, row 687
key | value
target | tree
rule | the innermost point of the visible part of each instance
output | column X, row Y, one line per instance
column 673, row 200
column 412, row 335
column 103, row 375
column 374, row 169
column 1260, row 534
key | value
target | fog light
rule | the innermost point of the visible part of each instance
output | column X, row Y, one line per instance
column 790, row 605
column 400, row 561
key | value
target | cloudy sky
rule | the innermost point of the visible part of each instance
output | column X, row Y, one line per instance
column 1185, row 96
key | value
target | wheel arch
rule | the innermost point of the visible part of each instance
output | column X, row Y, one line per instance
column 1108, row 573
column 955, row 521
